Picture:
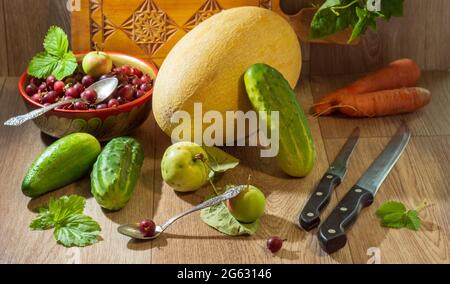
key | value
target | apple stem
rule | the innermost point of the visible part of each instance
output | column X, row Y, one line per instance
column 249, row 181
column 423, row 205
column 201, row 157
column 214, row 187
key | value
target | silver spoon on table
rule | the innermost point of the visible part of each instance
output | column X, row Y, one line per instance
column 104, row 89
column 132, row 230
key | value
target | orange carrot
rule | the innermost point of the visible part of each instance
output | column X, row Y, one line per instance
column 398, row 74
column 382, row 103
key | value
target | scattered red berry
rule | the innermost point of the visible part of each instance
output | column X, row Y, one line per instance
column 147, row 228
column 274, row 244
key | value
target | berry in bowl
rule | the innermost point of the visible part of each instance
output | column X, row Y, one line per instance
column 127, row 108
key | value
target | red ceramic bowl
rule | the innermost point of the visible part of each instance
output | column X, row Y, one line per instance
column 104, row 124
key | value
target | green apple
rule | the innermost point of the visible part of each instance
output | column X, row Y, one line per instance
column 97, row 63
column 183, row 167
column 248, row 206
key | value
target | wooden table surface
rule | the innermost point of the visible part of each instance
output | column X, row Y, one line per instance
column 422, row 172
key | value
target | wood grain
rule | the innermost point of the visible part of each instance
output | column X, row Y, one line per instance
column 285, row 197
column 434, row 119
column 16, row 209
column 3, row 50
column 26, row 24
column 419, row 35
column 421, row 173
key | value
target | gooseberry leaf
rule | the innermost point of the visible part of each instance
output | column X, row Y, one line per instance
column 65, row 215
column 220, row 218
column 219, row 161
column 56, row 60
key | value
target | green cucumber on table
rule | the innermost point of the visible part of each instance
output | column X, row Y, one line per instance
column 115, row 174
column 269, row 91
column 62, row 163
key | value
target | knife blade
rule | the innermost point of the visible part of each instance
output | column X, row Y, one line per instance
column 310, row 216
column 332, row 233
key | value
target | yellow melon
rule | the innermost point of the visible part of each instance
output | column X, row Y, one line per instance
column 207, row 65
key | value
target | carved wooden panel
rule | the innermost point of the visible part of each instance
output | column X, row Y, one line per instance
column 145, row 28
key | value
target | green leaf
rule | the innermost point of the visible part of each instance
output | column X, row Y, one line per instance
column 220, row 218
column 394, row 220
column 412, row 220
column 394, row 215
column 42, row 65
column 77, row 230
column 390, row 207
column 72, row 228
column 220, row 161
column 337, row 15
column 365, row 19
column 56, row 42
column 66, row 66
column 66, row 206
column 392, row 8
column 328, row 22
column 43, row 221
column 56, row 60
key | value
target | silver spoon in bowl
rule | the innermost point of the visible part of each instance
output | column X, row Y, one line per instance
column 132, row 230
column 104, row 89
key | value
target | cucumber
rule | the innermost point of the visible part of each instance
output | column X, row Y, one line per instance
column 115, row 174
column 269, row 91
column 62, row 163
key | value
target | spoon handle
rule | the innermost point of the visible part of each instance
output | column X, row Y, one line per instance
column 21, row 119
column 209, row 203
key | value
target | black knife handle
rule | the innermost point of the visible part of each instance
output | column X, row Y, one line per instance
column 310, row 216
column 332, row 233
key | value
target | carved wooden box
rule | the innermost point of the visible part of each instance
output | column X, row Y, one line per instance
column 147, row 29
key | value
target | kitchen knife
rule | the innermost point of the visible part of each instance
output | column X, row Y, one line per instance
column 310, row 216
column 332, row 233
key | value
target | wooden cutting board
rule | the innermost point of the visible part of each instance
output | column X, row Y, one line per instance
column 147, row 29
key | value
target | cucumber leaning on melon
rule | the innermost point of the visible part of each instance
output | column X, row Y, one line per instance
column 207, row 65
column 268, row 91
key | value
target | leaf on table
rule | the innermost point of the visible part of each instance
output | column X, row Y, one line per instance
column 65, row 206
column 413, row 220
column 77, row 230
column 43, row 221
column 72, row 228
column 220, row 218
column 390, row 207
column 219, row 160
column 394, row 220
